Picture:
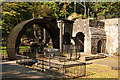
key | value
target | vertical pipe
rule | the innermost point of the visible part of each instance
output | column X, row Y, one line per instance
column 60, row 25
column 44, row 32
column 60, row 37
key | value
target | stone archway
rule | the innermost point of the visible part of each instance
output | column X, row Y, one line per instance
column 80, row 41
column 14, row 38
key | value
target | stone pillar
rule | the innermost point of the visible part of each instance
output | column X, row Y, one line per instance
column 103, row 46
column 44, row 32
column 61, row 25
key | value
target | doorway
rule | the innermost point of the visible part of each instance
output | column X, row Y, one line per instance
column 80, row 41
column 99, row 48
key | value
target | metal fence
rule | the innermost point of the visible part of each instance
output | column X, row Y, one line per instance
column 51, row 61
column 71, row 52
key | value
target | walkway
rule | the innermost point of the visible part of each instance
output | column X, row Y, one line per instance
column 11, row 70
column 112, row 62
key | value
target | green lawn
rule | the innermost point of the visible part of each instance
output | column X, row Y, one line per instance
column 23, row 47
column 4, row 52
column 100, row 71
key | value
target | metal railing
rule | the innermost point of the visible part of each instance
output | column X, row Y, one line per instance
column 50, row 60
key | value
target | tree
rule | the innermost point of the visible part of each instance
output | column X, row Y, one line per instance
column 15, row 12
column 12, row 14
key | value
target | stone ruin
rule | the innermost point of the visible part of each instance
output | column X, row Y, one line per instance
column 88, row 34
column 95, row 36
column 91, row 35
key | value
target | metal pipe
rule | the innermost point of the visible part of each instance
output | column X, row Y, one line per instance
column 60, row 37
column 44, row 32
column 60, row 25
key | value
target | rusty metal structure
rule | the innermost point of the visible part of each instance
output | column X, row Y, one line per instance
column 49, row 24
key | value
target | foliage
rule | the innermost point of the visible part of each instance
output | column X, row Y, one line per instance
column 106, row 9
column 4, row 51
column 12, row 14
column 15, row 12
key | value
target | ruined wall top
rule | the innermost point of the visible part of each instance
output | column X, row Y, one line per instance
column 113, row 21
column 96, row 24
column 92, row 23
column 91, row 27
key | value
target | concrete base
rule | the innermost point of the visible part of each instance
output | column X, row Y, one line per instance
column 87, row 57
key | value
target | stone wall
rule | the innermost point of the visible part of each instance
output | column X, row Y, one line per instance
column 105, row 30
column 119, row 35
column 97, row 34
column 111, row 30
column 93, row 31
column 83, row 26
column 94, row 45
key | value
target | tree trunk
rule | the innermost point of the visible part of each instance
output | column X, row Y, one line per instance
column 84, row 9
column 88, row 12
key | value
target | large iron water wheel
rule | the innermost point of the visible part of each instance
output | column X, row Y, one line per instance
column 14, row 38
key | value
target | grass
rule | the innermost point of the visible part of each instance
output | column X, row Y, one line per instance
column 100, row 71
column 23, row 47
column 97, row 71
column 4, row 51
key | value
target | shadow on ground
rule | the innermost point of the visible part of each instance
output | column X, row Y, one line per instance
column 17, row 71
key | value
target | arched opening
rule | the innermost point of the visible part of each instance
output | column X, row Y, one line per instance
column 66, row 38
column 15, row 36
column 79, row 41
column 99, row 48
column 33, row 42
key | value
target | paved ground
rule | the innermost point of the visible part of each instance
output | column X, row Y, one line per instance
column 112, row 62
column 109, row 61
column 12, row 70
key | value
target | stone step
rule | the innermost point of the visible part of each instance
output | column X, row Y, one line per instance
column 91, row 57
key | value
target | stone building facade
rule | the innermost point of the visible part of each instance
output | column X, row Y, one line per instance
column 96, row 36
